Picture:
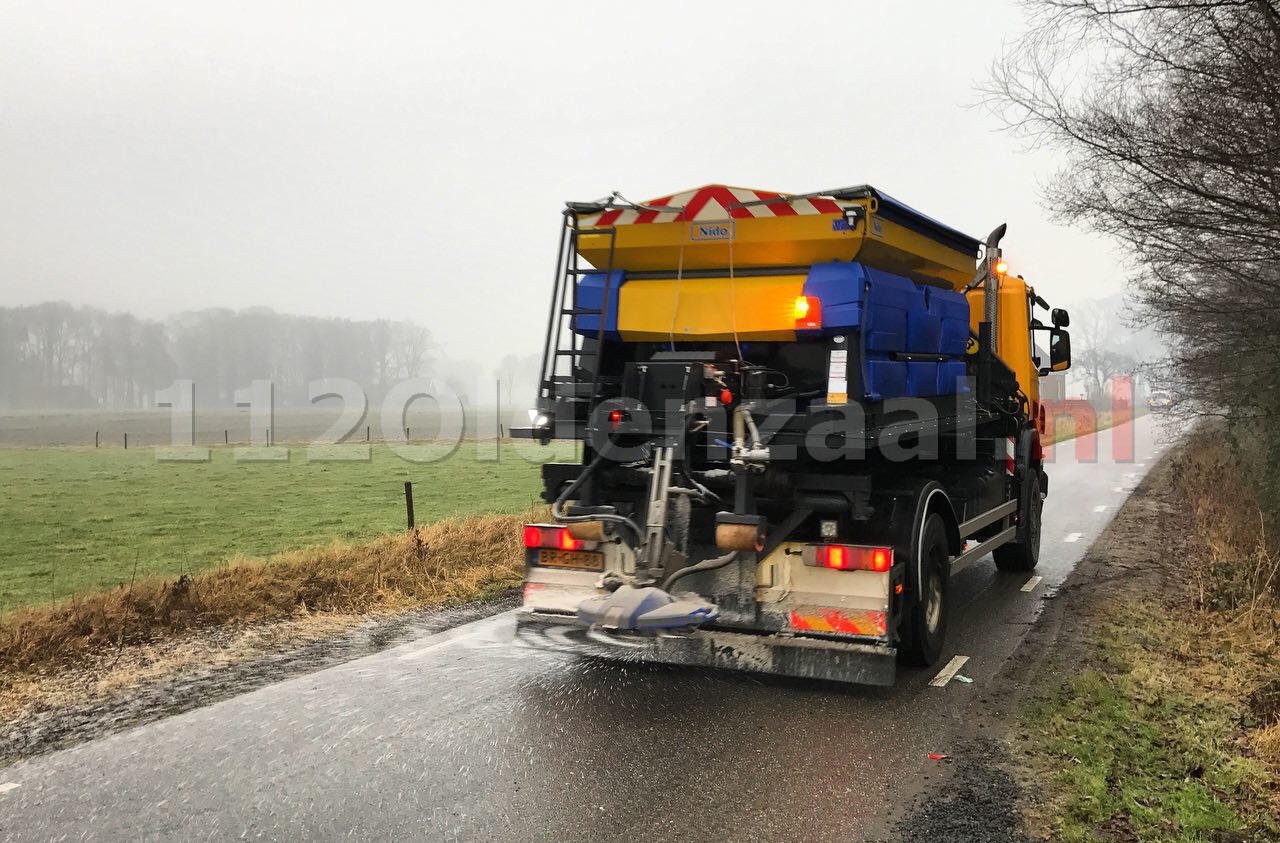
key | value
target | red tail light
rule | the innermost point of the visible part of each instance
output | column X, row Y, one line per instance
column 808, row 312
column 552, row 537
column 845, row 557
column 833, row 556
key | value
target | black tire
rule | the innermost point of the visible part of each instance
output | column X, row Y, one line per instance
column 1024, row 554
column 924, row 623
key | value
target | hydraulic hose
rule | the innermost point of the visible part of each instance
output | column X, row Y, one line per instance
column 705, row 565
column 557, row 511
column 751, row 426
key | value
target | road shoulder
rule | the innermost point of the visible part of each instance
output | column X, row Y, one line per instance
column 1089, row 723
column 141, row 685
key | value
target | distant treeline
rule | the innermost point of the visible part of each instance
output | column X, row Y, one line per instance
column 59, row 355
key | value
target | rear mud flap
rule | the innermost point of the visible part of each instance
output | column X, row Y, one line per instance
column 805, row 658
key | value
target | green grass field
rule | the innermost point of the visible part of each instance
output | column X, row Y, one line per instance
column 76, row 519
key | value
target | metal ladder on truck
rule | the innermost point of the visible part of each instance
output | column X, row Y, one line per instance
column 570, row 381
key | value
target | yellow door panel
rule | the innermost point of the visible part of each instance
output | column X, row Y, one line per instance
column 1013, row 335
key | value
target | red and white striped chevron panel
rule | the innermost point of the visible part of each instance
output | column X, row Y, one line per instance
column 714, row 202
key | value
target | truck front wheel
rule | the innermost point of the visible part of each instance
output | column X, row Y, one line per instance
column 924, row 625
column 1022, row 555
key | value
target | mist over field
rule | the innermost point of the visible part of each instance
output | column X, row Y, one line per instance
column 59, row 356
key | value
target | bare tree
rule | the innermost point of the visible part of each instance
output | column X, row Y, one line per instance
column 518, row 373
column 57, row 355
column 1169, row 112
column 380, row 346
column 1103, row 346
column 412, row 348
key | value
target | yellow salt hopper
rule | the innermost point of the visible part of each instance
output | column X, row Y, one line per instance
column 690, row 246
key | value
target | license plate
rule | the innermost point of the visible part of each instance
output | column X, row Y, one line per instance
column 579, row 560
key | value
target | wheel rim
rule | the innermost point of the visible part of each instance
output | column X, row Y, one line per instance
column 933, row 601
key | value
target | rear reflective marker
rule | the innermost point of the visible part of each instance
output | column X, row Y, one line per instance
column 845, row 621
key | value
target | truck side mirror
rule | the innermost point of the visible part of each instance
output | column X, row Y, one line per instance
column 1060, row 318
column 1059, row 348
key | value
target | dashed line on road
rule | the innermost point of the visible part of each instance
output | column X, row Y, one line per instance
column 1032, row 583
column 1118, row 489
column 8, row 786
column 1102, row 507
column 1073, row 537
column 948, row 673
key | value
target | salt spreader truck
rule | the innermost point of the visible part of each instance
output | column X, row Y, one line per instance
column 799, row 414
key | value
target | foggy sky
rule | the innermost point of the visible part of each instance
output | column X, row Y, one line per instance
column 409, row 160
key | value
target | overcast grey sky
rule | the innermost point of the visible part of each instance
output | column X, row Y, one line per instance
column 409, row 160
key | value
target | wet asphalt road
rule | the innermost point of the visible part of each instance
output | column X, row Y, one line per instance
column 463, row 736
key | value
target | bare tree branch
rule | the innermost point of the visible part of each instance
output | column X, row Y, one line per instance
column 1169, row 114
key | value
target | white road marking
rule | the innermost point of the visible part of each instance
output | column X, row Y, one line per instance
column 1073, row 537
column 1032, row 583
column 8, row 786
column 1140, row 465
column 1118, row 489
column 1102, row 507
column 945, row 675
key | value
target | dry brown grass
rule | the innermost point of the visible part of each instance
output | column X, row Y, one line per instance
column 451, row 561
column 105, row 673
column 1233, row 574
column 1267, row 744
column 1237, row 566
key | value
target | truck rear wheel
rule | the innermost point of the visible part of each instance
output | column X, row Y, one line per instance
column 1024, row 554
column 924, row 625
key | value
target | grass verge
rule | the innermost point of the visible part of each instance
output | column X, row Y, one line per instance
column 1159, row 739
column 1167, row 726
column 454, row 560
